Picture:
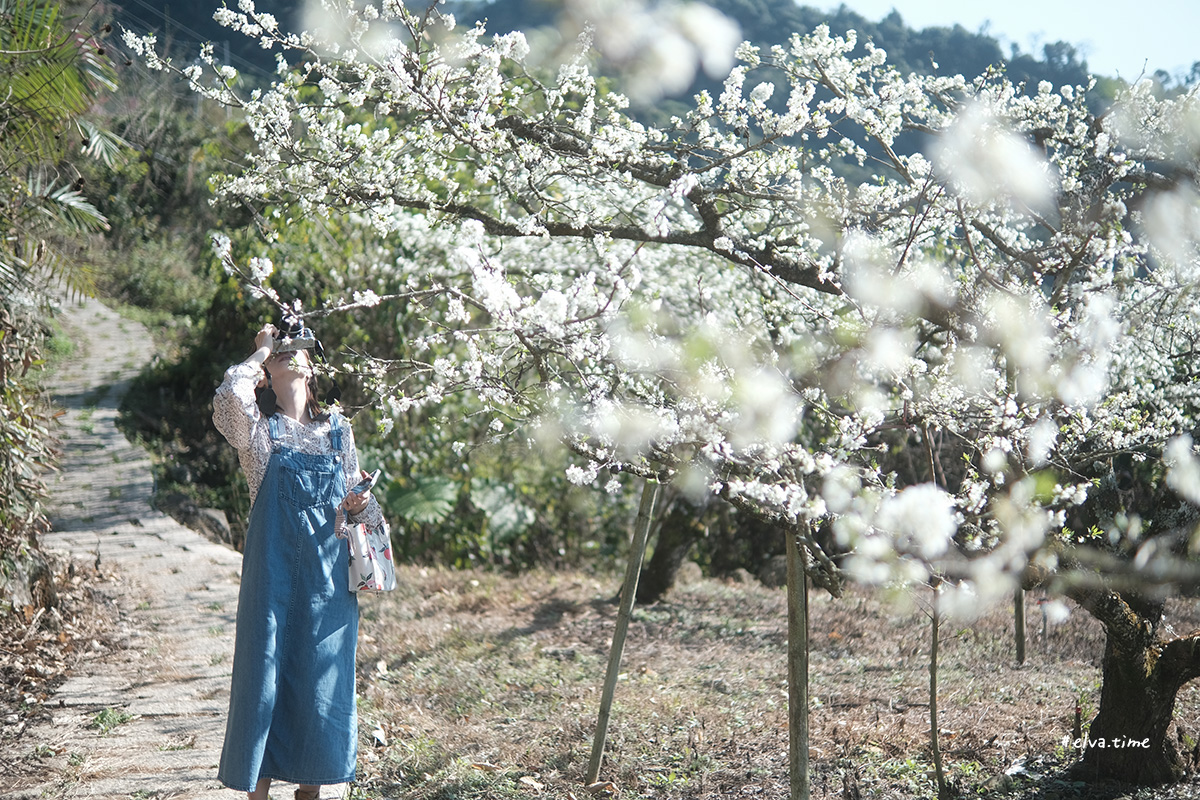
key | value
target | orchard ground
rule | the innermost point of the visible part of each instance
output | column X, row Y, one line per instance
column 477, row 684
column 485, row 685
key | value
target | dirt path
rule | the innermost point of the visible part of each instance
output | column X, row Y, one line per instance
column 166, row 679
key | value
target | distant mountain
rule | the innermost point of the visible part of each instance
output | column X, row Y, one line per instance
column 768, row 22
column 765, row 22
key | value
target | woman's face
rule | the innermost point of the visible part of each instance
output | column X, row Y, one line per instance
column 288, row 366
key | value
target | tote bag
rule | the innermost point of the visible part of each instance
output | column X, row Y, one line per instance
column 371, row 567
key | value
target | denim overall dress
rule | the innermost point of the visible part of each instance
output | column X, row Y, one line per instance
column 292, row 714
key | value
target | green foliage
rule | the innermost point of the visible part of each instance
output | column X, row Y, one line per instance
column 26, row 450
column 156, row 256
column 50, row 74
column 51, row 71
column 507, row 515
column 161, row 276
column 427, row 501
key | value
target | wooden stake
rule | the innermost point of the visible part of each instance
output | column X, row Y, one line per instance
column 1019, row 623
column 942, row 787
column 797, row 592
column 637, row 553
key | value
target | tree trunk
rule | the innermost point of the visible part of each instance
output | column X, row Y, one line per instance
column 679, row 529
column 1128, row 740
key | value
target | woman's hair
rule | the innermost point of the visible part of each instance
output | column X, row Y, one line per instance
column 315, row 410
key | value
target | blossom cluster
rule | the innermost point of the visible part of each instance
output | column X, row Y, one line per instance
column 716, row 302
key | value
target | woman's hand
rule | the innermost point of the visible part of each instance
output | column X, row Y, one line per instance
column 264, row 342
column 357, row 503
column 266, row 338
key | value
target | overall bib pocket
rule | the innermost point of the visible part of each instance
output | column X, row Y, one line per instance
column 306, row 488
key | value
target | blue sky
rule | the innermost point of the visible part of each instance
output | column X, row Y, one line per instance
column 1115, row 38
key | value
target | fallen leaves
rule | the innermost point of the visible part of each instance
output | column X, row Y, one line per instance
column 40, row 644
column 529, row 782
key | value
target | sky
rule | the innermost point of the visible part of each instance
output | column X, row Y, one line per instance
column 1117, row 39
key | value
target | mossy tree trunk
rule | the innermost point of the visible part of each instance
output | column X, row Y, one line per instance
column 1128, row 739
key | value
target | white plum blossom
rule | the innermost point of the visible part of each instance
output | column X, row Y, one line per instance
column 367, row 298
column 221, row 246
column 987, row 160
column 943, row 357
column 1183, row 467
column 261, row 268
column 921, row 518
column 1041, row 441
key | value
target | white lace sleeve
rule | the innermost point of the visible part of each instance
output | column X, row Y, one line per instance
column 372, row 515
column 235, row 411
column 236, row 416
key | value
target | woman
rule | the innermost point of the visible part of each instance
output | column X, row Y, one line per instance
column 291, row 707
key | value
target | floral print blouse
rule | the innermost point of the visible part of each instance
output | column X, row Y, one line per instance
column 237, row 417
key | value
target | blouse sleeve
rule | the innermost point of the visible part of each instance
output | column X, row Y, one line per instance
column 235, row 409
column 372, row 515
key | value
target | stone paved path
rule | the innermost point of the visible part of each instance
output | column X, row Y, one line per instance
column 175, row 590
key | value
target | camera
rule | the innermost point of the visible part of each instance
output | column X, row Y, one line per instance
column 298, row 338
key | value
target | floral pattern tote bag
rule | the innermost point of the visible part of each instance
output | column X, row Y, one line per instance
column 371, row 567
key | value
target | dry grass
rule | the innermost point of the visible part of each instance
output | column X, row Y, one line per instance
column 488, row 686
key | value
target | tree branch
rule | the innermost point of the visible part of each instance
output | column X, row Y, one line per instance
column 1179, row 661
column 1126, row 629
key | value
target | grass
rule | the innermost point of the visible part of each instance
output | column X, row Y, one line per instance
column 108, row 719
column 461, row 669
column 59, row 346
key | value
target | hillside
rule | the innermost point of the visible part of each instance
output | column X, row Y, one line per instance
column 764, row 22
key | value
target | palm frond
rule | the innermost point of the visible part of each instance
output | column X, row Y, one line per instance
column 102, row 144
column 48, row 76
column 428, row 500
column 13, row 270
column 68, row 206
column 30, row 264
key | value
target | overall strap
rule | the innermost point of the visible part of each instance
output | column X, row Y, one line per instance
column 273, row 422
column 335, row 433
